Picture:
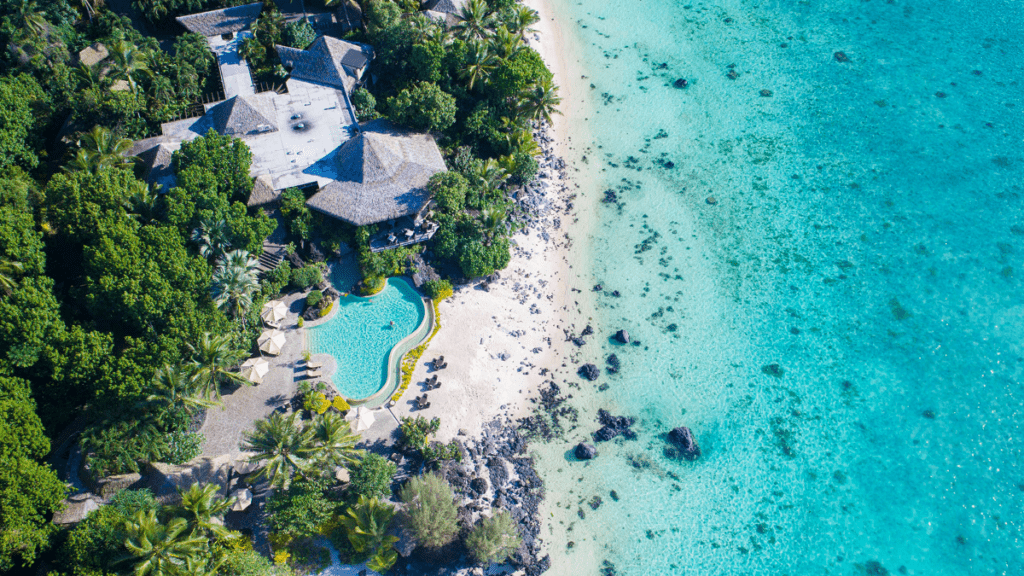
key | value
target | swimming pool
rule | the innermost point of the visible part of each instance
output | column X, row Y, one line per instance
column 360, row 336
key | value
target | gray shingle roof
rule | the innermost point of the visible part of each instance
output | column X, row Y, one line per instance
column 217, row 22
column 383, row 174
column 243, row 115
column 155, row 157
column 327, row 61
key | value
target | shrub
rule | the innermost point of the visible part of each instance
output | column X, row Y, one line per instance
column 301, row 322
column 299, row 34
column 494, row 539
column 430, row 511
column 326, row 309
column 314, row 298
column 98, row 541
column 416, row 431
column 438, row 290
column 300, row 510
column 296, row 213
column 316, row 402
column 277, row 279
column 252, row 563
column 306, row 276
column 373, row 285
column 340, row 404
column 184, row 446
column 425, row 107
column 448, row 189
column 365, row 103
column 371, row 478
column 526, row 168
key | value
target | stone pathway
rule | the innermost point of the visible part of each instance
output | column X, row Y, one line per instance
column 224, row 426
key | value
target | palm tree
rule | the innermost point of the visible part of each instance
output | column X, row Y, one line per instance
column 160, row 550
column 541, row 100
column 283, row 446
column 521, row 141
column 486, row 175
column 161, row 90
column 128, row 63
column 475, row 18
column 8, row 269
column 367, row 524
column 212, row 236
column 522, row 18
column 505, row 44
column 479, row 62
column 31, row 17
column 233, row 288
column 492, row 221
column 212, row 356
column 176, row 387
column 144, row 203
column 199, row 507
column 88, row 77
column 103, row 149
column 335, row 442
column 240, row 259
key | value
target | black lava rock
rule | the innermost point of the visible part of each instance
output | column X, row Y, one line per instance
column 589, row 371
column 585, row 451
column 681, row 83
column 479, row 485
column 613, row 361
column 622, row 336
column 685, row 443
column 587, row 331
column 612, row 426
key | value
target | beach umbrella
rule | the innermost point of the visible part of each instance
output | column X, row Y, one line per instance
column 274, row 311
column 243, row 498
column 254, row 369
column 271, row 342
column 360, row 417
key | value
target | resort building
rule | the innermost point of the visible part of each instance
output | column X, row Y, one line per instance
column 307, row 136
column 446, row 11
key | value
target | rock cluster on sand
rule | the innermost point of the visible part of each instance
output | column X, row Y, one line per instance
column 585, row 451
column 589, row 371
column 612, row 426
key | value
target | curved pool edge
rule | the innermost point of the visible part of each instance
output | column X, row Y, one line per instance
column 395, row 356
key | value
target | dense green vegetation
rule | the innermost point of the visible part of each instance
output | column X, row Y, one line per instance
column 124, row 309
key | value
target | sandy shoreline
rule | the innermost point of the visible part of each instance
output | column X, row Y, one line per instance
column 497, row 340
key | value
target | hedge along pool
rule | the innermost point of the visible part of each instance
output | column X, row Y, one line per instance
column 360, row 336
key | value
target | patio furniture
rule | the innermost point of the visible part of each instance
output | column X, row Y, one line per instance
column 312, row 374
column 361, row 418
column 314, row 365
column 272, row 342
column 254, row 369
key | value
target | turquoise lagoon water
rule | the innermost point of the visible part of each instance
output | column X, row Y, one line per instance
column 867, row 238
column 360, row 336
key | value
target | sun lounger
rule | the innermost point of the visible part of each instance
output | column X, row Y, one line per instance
column 312, row 374
column 314, row 365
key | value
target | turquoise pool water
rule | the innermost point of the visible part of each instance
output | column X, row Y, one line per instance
column 360, row 336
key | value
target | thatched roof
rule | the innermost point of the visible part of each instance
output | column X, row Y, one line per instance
column 327, row 61
column 217, row 22
column 263, row 191
column 445, row 6
column 242, row 115
column 383, row 174
column 93, row 55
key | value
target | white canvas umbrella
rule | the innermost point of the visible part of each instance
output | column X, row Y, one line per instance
column 243, row 499
column 274, row 311
column 254, row 369
column 360, row 417
column 271, row 342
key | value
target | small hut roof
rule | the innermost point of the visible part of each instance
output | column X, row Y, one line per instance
column 217, row 22
column 93, row 55
column 327, row 61
column 155, row 156
column 263, row 191
column 446, row 6
column 241, row 115
column 383, row 174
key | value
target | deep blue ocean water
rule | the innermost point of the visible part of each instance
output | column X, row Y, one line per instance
column 854, row 219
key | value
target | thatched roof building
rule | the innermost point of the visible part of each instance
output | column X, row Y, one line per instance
column 447, row 10
column 263, row 192
column 224, row 21
column 328, row 61
column 94, row 54
column 244, row 115
column 382, row 175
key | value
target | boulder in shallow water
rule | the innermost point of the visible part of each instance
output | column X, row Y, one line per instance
column 585, row 451
column 684, row 442
column 589, row 371
column 622, row 336
column 841, row 57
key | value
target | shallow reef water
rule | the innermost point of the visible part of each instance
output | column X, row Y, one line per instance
column 818, row 240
